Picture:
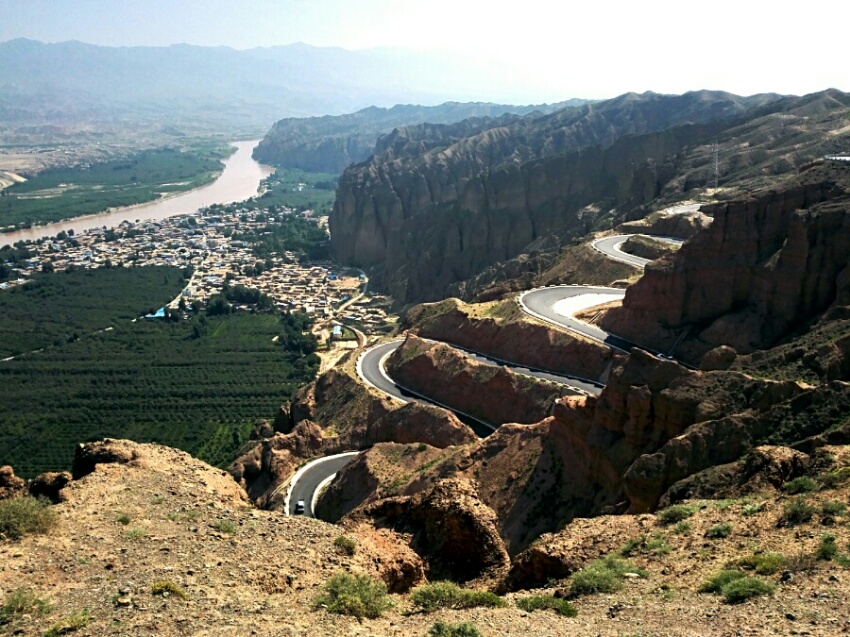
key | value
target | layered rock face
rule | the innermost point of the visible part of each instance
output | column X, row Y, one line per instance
column 436, row 206
column 449, row 526
column 521, row 341
column 429, row 214
column 767, row 264
column 490, row 393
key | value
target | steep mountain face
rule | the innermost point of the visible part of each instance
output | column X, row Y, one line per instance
column 425, row 214
column 768, row 265
column 431, row 211
column 330, row 143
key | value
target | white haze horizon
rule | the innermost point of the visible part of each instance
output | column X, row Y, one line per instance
column 542, row 52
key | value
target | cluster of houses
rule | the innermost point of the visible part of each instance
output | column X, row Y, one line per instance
column 204, row 242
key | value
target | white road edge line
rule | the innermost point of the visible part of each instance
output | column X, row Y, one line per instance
column 428, row 398
column 318, row 490
column 570, row 329
column 294, row 479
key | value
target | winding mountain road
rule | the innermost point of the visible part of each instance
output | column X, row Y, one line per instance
column 305, row 484
column 611, row 248
column 556, row 305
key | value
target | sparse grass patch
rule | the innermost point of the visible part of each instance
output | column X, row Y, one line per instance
column 633, row 546
column 716, row 582
column 357, row 595
column 192, row 515
column 166, row 588
column 761, row 563
column 832, row 507
column 658, row 544
column 836, row 478
column 676, row 513
column 796, row 512
column 444, row 629
column 827, row 549
column 225, row 526
column 547, row 602
column 136, row 534
column 24, row 515
column 801, row 562
column 348, row 546
column 682, row 528
column 436, row 595
column 752, row 509
column 719, row 531
column 744, row 588
column 21, row 602
column 604, row 575
column 803, row 484
column 70, row 624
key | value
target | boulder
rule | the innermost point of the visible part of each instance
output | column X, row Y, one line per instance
column 10, row 484
column 88, row 455
column 49, row 485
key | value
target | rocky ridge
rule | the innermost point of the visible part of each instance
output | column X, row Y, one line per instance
column 427, row 216
column 767, row 266
column 332, row 142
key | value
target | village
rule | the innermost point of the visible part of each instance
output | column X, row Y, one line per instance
column 210, row 244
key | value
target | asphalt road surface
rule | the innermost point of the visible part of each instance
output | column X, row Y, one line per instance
column 611, row 247
column 307, row 481
column 557, row 305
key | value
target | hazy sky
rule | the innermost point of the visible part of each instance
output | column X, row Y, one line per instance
column 566, row 49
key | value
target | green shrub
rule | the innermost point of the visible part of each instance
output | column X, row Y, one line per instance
column 123, row 519
column 718, row 531
column 633, row 546
column 797, row 511
column 836, row 478
column 70, row 624
column 436, row 595
column 166, row 588
column 442, row 629
column 547, row 602
column 716, row 582
column 741, row 589
column 827, row 550
column 347, row 545
column 682, row 528
column 136, row 534
column 762, row 563
column 752, row 509
column 803, row 484
column 357, row 595
column 676, row 513
column 658, row 544
column 226, row 526
column 23, row 515
column 832, row 507
column 604, row 575
column 21, row 602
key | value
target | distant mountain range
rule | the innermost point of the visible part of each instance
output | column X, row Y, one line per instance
column 223, row 87
column 330, row 143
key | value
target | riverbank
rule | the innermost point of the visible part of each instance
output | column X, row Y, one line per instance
column 239, row 179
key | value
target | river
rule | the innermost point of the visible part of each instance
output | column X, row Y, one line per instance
column 238, row 181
